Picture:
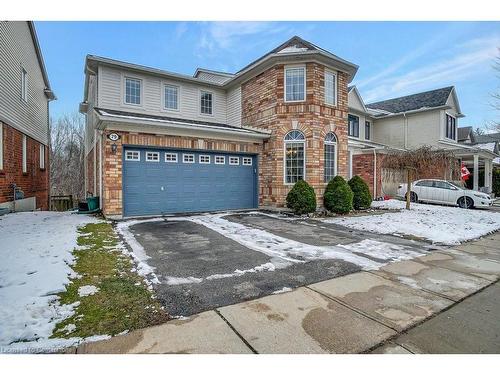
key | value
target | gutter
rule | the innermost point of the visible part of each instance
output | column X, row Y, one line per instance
column 423, row 109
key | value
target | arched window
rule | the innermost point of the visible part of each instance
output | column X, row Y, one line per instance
column 330, row 157
column 295, row 161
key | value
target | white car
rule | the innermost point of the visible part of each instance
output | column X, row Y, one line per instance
column 445, row 192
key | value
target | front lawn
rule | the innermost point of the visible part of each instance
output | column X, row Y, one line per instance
column 438, row 224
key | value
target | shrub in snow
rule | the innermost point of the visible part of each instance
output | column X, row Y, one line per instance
column 338, row 196
column 302, row 198
column 362, row 198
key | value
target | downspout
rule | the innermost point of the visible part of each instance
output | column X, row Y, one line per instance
column 100, row 169
column 374, row 173
column 95, row 162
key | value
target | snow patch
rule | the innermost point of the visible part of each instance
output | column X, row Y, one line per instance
column 282, row 290
column 87, row 290
column 170, row 280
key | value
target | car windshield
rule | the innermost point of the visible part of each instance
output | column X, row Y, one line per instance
column 457, row 185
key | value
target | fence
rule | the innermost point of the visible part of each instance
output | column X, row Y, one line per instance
column 61, row 202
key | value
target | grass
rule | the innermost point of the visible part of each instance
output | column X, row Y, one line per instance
column 123, row 301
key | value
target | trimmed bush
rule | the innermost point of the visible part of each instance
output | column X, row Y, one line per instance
column 338, row 196
column 302, row 198
column 362, row 197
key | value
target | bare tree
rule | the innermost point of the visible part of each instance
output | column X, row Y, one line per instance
column 67, row 156
column 496, row 95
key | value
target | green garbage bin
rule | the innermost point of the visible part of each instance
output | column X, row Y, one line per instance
column 93, row 203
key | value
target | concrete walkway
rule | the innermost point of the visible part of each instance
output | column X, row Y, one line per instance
column 387, row 309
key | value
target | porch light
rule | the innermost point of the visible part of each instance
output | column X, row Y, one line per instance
column 113, row 148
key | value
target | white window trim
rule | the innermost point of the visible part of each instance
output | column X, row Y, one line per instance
column 128, row 152
column 124, row 91
column 446, row 114
column 231, row 158
column 1, row 146
column 25, row 154
column 223, row 159
column 285, row 142
column 246, row 158
column 188, row 162
column 290, row 67
column 171, row 154
column 42, row 156
column 335, row 88
column 213, row 103
column 148, row 153
column 335, row 171
column 163, row 97
column 24, row 85
column 204, row 162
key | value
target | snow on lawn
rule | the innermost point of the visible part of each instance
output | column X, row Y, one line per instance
column 36, row 252
column 439, row 224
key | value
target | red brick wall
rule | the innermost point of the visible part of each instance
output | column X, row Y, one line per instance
column 363, row 166
column 263, row 106
column 34, row 183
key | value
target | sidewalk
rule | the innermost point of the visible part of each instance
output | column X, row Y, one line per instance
column 349, row 314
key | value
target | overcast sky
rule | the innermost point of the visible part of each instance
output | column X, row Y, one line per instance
column 394, row 58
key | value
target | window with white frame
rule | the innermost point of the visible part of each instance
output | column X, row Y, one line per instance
column 24, row 85
column 219, row 159
column 132, row 91
column 131, row 155
column 234, row 160
column 204, row 159
column 295, row 84
column 42, row 156
column 1, row 146
column 353, row 129
column 330, row 170
column 188, row 158
column 330, row 88
column 295, row 161
column 206, row 103
column 247, row 161
column 170, row 157
column 152, row 156
column 451, row 127
column 368, row 128
column 171, row 97
column 25, row 156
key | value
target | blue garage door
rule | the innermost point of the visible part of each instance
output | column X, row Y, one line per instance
column 160, row 181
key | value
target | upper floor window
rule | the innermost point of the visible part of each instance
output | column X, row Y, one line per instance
column 295, row 84
column 451, row 127
column 132, row 91
column 295, row 161
column 330, row 88
column 206, row 103
column 24, row 85
column 353, row 130
column 171, row 95
column 368, row 130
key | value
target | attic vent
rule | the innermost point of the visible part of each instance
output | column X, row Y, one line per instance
column 293, row 48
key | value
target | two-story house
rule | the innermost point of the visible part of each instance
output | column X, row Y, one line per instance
column 159, row 142
column 24, row 119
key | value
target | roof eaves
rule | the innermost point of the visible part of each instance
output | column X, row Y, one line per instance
column 48, row 91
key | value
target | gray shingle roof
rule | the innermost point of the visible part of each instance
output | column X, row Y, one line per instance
column 428, row 99
column 487, row 138
column 463, row 133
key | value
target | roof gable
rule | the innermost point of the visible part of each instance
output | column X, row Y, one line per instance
column 355, row 100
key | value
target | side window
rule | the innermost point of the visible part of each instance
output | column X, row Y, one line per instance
column 24, row 85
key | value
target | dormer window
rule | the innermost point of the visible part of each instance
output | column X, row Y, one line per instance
column 451, row 127
column 295, row 84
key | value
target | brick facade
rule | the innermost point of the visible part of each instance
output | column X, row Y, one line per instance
column 112, row 162
column 35, row 182
column 363, row 166
column 263, row 106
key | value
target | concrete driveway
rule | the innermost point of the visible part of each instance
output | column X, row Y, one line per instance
column 208, row 261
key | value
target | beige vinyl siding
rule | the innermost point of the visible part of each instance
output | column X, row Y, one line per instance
column 354, row 102
column 110, row 96
column 389, row 131
column 423, row 129
column 234, row 106
column 17, row 52
column 90, row 115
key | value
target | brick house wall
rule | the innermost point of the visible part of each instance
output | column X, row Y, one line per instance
column 113, row 162
column 35, row 182
column 263, row 106
column 363, row 166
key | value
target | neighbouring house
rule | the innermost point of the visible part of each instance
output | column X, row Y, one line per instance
column 25, row 94
column 159, row 142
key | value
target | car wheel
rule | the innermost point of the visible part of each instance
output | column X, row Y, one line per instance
column 465, row 202
column 413, row 197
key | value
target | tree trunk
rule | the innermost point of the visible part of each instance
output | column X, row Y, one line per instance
column 408, row 188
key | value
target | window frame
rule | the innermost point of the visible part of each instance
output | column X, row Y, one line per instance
column 148, row 153
column 349, row 126
column 335, row 157
column 127, row 152
column 204, row 156
column 164, row 97
column 24, row 85
column 124, row 90
column 218, row 162
column 212, row 102
column 42, row 156
column 231, row 160
column 291, row 141
column 171, row 154
column 453, row 127
column 368, row 125
column 246, row 159
column 25, row 154
column 335, row 88
column 294, row 67
column 184, row 155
